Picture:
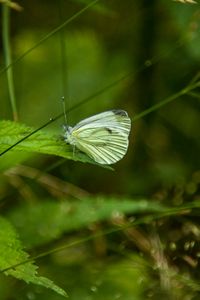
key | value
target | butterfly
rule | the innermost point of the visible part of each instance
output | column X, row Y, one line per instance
column 103, row 137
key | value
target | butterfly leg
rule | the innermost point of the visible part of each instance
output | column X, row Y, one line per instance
column 74, row 149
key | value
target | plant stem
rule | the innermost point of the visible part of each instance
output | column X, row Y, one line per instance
column 50, row 34
column 8, row 60
column 158, row 105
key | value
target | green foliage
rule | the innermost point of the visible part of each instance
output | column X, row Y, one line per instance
column 40, row 142
column 49, row 220
column 12, row 254
column 129, row 234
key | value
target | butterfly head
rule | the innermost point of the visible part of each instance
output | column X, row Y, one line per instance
column 68, row 135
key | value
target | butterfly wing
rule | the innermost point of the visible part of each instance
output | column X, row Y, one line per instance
column 114, row 118
column 103, row 137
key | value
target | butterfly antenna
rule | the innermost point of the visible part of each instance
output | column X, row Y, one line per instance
column 64, row 109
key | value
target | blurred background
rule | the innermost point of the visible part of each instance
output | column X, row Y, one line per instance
column 121, row 54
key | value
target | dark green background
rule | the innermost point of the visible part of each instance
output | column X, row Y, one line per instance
column 155, row 45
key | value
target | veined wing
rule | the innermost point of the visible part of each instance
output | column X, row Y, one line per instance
column 104, row 139
column 105, row 150
column 112, row 119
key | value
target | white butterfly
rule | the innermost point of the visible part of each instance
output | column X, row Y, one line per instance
column 103, row 137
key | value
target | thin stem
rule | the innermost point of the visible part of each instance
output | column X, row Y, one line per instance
column 195, row 95
column 8, row 60
column 27, row 136
column 64, row 69
column 50, row 34
column 63, row 58
column 139, row 116
column 182, row 92
column 166, row 212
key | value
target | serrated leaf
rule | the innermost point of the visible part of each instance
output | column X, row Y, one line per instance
column 11, row 253
column 48, row 220
column 40, row 142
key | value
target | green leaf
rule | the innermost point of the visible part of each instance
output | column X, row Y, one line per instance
column 40, row 142
column 11, row 254
column 47, row 220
